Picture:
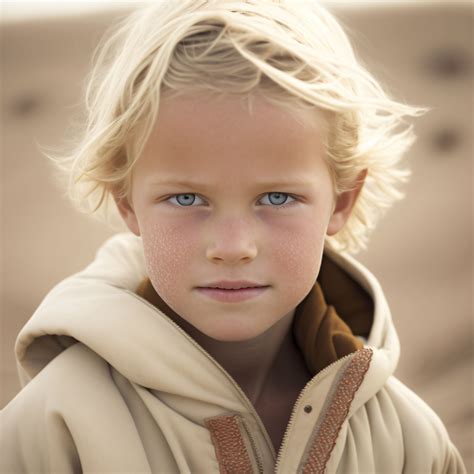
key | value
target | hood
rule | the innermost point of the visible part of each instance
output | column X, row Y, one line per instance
column 99, row 306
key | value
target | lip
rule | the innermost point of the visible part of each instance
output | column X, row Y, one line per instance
column 233, row 285
column 233, row 296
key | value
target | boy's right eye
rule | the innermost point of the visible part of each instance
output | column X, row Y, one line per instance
column 184, row 200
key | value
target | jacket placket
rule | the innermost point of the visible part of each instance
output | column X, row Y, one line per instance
column 236, row 444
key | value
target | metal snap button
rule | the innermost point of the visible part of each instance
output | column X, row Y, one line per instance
column 308, row 408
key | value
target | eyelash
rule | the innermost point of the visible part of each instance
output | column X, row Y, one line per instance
column 276, row 206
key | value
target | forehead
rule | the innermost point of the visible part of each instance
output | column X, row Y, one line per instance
column 210, row 137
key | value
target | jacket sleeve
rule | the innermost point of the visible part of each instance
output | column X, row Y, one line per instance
column 71, row 418
column 426, row 442
column 34, row 436
column 453, row 463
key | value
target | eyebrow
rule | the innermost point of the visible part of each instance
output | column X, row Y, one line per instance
column 262, row 183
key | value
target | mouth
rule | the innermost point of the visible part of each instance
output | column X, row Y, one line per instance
column 232, row 289
column 232, row 294
column 233, row 285
column 237, row 288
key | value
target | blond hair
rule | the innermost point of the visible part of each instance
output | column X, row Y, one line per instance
column 294, row 54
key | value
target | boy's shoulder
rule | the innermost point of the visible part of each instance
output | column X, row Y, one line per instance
column 422, row 431
column 412, row 408
column 65, row 382
column 71, row 411
column 77, row 386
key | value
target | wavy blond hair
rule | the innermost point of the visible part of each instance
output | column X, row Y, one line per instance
column 294, row 54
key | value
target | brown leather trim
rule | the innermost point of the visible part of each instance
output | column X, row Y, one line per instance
column 324, row 439
column 231, row 451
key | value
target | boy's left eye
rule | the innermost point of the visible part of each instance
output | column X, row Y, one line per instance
column 279, row 197
column 188, row 199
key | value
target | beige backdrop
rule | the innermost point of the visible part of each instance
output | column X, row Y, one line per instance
column 421, row 252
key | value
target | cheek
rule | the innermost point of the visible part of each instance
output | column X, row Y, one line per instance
column 296, row 251
column 168, row 252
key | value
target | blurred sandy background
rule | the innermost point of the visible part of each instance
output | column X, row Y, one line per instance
column 421, row 252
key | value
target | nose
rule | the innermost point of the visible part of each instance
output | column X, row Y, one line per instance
column 232, row 242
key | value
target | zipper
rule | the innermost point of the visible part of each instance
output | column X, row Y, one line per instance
column 313, row 381
column 244, row 397
column 254, row 447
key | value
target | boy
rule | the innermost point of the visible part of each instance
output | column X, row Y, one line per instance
column 230, row 331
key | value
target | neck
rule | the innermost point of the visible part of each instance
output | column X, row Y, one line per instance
column 249, row 362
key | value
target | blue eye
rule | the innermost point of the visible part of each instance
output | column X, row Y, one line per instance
column 280, row 197
column 188, row 199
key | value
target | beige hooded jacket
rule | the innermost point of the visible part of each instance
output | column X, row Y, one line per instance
column 111, row 384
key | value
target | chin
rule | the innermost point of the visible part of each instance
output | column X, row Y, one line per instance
column 233, row 335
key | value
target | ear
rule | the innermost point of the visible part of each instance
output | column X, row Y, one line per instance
column 128, row 214
column 344, row 205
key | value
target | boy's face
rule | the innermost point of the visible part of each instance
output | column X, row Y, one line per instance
column 232, row 225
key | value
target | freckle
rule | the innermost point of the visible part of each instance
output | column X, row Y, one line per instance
column 167, row 257
column 290, row 255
